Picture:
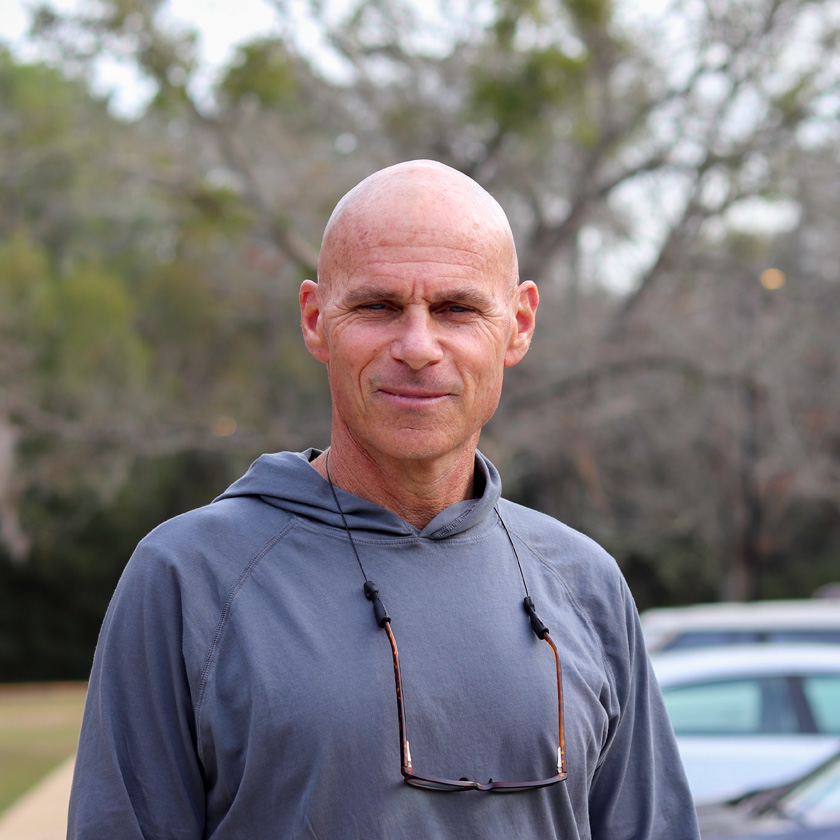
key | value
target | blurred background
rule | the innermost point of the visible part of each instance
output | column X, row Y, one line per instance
column 672, row 174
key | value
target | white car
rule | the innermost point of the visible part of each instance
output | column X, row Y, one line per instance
column 806, row 809
column 777, row 622
column 751, row 716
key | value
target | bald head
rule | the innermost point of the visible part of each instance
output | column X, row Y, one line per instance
column 415, row 204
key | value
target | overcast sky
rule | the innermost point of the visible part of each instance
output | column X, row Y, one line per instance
column 222, row 24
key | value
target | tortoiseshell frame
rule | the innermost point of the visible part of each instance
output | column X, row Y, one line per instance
column 454, row 785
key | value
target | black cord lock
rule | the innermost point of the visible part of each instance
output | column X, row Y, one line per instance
column 536, row 622
column 372, row 594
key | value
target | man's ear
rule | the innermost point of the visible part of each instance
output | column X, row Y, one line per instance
column 527, row 301
column 310, row 321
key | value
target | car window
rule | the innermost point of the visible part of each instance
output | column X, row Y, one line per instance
column 709, row 638
column 784, row 636
column 732, row 707
column 823, row 693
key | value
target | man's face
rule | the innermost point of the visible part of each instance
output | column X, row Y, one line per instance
column 416, row 322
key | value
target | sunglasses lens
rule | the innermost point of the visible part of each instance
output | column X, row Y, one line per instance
column 442, row 785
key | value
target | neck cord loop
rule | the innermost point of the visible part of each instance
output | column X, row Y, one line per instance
column 537, row 624
column 515, row 552
column 343, row 517
column 371, row 590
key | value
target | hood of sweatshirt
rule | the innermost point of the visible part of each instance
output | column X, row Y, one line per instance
column 286, row 480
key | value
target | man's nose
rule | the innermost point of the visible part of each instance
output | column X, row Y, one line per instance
column 417, row 343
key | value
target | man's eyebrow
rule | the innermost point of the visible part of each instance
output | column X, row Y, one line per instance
column 365, row 294
column 466, row 295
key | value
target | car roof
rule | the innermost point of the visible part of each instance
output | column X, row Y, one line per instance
column 829, row 833
column 804, row 612
column 659, row 623
column 733, row 661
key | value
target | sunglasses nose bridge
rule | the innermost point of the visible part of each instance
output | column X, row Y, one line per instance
column 488, row 786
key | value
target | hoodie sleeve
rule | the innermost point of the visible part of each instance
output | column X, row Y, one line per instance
column 639, row 791
column 139, row 695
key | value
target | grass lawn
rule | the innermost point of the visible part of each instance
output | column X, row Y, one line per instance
column 39, row 728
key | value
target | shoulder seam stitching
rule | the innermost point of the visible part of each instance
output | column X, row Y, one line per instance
column 572, row 597
column 223, row 617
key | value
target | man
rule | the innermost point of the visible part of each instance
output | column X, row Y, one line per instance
column 248, row 684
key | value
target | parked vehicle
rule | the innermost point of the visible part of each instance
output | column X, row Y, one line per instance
column 806, row 809
column 705, row 625
column 750, row 716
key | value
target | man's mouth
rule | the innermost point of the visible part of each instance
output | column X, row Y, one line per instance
column 409, row 396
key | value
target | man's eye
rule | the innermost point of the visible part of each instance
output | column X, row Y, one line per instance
column 374, row 307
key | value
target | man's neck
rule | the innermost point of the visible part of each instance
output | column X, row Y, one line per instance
column 416, row 491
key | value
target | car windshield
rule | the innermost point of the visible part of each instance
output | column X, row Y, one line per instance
column 816, row 802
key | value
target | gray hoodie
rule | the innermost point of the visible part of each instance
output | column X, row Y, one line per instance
column 241, row 687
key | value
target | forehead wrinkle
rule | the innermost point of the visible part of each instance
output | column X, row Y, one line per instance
column 484, row 253
column 372, row 256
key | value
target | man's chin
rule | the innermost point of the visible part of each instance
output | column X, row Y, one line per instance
column 414, row 445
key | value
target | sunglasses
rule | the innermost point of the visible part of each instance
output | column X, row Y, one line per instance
column 436, row 783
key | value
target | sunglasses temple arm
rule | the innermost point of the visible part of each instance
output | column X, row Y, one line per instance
column 384, row 621
column 541, row 630
column 561, row 750
column 405, row 752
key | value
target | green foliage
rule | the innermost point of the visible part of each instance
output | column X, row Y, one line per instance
column 41, row 99
column 577, row 15
column 24, row 268
column 40, row 113
column 54, row 136
column 542, row 68
column 183, row 320
column 77, row 323
column 264, row 72
column 793, row 104
column 217, row 209
column 594, row 14
column 52, row 606
column 519, row 91
column 509, row 13
column 92, row 344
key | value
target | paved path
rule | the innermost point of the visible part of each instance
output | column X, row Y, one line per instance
column 41, row 814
